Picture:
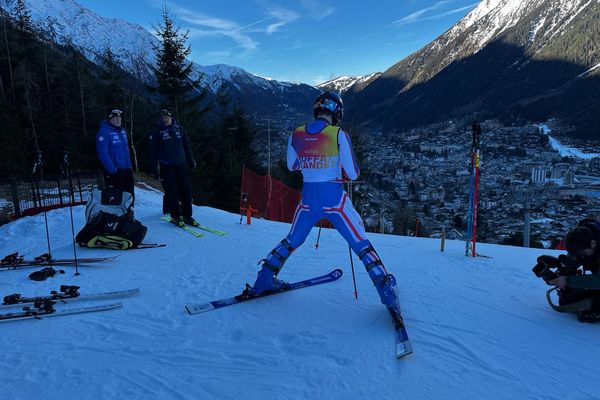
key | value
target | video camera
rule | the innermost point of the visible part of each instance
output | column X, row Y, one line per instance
column 564, row 265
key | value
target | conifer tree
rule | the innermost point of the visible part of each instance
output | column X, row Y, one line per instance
column 173, row 71
column 23, row 17
column 111, row 75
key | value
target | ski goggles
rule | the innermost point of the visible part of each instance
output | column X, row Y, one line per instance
column 114, row 113
column 327, row 104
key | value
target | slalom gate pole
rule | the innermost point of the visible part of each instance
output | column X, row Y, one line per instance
column 66, row 168
column 475, row 197
column 475, row 201
column 38, row 167
column 470, row 209
column 443, row 241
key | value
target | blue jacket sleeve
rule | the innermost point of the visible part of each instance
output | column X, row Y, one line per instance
column 102, row 147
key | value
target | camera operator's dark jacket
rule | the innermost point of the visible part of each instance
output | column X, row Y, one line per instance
column 170, row 145
column 591, row 264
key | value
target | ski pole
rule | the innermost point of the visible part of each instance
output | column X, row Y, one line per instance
column 244, row 198
column 318, row 238
column 66, row 168
column 353, row 276
column 39, row 167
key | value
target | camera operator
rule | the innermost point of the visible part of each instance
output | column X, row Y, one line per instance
column 583, row 246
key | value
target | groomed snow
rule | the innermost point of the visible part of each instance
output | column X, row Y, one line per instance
column 480, row 328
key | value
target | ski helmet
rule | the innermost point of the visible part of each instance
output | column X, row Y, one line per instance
column 330, row 102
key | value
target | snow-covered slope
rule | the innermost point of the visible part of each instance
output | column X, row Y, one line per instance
column 480, row 327
column 342, row 83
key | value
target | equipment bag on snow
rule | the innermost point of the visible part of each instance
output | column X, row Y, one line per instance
column 112, row 232
column 111, row 201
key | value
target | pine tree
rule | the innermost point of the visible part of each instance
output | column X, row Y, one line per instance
column 111, row 75
column 173, row 71
column 24, row 22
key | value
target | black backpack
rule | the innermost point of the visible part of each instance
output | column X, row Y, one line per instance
column 111, row 231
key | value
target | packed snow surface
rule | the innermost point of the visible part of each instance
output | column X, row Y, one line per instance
column 480, row 327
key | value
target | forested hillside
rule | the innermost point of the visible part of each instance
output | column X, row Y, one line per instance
column 53, row 100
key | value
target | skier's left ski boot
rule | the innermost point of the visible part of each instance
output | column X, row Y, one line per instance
column 190, row 221
column 266, row 280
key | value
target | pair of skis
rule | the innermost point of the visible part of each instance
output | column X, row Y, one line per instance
column 14, row 261
column 403, row 345
column 193, row 229
column 44, row 306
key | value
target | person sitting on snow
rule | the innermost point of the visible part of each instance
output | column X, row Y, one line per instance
column 323, row 152
column 583, row 247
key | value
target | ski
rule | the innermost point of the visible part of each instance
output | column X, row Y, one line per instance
column 148, row 246
column 211, row 230
column 70, row 293
column 403, row 345
column 14, row 261
column 46, row 309
column 213, row 305
column 185, row 228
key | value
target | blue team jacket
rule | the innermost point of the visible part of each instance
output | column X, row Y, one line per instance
column 112, row 147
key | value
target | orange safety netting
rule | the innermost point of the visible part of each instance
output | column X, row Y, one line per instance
column 271, row 198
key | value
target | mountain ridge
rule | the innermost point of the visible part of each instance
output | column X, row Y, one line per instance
column 66, row 22
column 517, row 37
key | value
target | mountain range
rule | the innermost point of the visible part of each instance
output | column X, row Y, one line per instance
column 512, row 59
column 517, row 60
column 342, row 84
column 66, row 22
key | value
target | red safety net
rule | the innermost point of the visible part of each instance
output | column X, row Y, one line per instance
column 271, row 198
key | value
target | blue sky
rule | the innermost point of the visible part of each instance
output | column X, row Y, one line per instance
column 299, row 40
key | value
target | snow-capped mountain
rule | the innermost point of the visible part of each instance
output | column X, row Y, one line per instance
column 507, row 58
column 67, row 22
column 341, row 84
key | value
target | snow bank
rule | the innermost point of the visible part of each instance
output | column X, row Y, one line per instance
column 480, row 327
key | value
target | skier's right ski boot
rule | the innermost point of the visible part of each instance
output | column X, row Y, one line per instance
column 386, row 287
column 179, row 222
column 266, row 281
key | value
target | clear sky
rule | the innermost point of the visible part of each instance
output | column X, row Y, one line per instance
column 299, row 40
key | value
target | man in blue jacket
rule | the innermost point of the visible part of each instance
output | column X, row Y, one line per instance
column 170, row 156
column 113, row 152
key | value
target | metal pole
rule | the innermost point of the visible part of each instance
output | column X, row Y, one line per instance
column 66, row 167
column 526, row 227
